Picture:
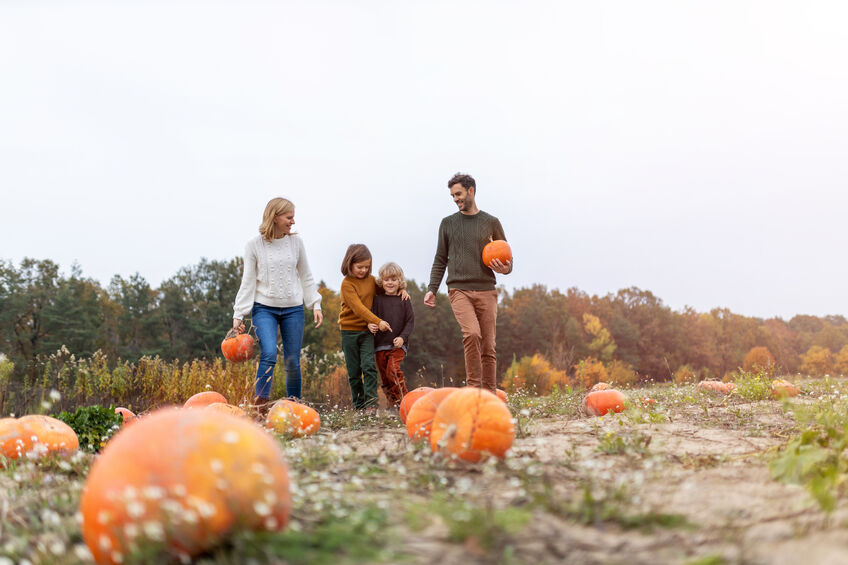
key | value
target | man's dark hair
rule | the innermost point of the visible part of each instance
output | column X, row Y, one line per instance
column 467, row 181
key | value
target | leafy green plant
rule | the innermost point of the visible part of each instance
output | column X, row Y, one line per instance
column 93, row 425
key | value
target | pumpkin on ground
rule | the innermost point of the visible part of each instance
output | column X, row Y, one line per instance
column 410, row 398
column 204, row 399
column 601, row 402
column 36, row 434
column 127, row 414
column 237, row 348
column 292, row 418
column 471, row 423
column 180, row 482
column 717, row 386
column 600, row 386
column 224, row 408
column 12, row 445
column 420, row 417
column 497, row 249
column 781, row 388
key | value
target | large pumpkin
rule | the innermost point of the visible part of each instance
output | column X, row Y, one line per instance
column 420, row 417
column 204, row 399
column 12, row 445
column 224, row 408
column 292, row 418
column 497, row 249
column 600, row 386
column 601, row 402
column 181, row 481
column 782, row 389
column 237, row 347
column 470, row 423
column 410, row 398
column 52, row 434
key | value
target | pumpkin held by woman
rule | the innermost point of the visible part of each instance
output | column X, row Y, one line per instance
column 237, row 348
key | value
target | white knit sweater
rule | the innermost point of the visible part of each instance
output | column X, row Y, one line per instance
column 276, row 273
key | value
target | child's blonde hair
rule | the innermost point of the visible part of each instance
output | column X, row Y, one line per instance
column 391, row 269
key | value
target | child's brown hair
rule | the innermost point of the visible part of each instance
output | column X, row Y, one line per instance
column 356, row 253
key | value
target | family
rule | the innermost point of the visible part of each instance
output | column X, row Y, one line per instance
column 376, row 317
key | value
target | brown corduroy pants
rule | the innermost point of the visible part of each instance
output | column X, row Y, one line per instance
column 391, row 376
column 476, row 311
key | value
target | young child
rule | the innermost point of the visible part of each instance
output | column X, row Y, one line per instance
column 390, row 346
column 357, row 296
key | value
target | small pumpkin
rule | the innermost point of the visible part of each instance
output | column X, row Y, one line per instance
column 410, row 398
column 293, row 418
column 181, row 481
column 127, row 414
column 420, row 418
column 781, row 388
column 717, row 386
column 471, row 423
column 497, row 249
column 237, row 348
column 52, row 434
column 224, row 408
column 600, row 386
column 204, row 399
column 601, row 402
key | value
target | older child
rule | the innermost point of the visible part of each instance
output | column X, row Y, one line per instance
column 390, row 346
column 357, row 295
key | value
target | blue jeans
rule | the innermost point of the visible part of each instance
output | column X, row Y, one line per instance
column 291, row 323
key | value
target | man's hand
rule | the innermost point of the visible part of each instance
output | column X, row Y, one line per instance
column 372, row 328
column 498, row 267
column 430, row 298
column 319, row 318
column 397, row 342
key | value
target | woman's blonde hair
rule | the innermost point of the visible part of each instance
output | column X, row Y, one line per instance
column 274, row 208
column 391, row 269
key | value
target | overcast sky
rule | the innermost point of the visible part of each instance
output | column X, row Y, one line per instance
column 698, row 150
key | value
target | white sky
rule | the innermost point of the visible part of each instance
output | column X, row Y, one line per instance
column 698, row 150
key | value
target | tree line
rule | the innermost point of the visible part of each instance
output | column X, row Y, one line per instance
column 186, row 317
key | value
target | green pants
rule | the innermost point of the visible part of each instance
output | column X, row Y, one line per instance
column 358, row 348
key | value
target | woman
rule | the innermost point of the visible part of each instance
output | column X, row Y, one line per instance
column 275, row 286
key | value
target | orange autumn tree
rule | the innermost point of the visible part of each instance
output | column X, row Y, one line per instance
column 817, row 361
column 533, row 374
column 840, row 365
column 759, row 359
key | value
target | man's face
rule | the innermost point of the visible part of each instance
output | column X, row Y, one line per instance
column 464, row 199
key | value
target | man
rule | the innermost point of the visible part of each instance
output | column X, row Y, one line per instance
column 471, row 284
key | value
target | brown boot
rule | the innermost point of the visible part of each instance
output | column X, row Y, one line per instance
column 262, row 406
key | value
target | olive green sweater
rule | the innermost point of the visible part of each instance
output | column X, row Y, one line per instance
column 460, row 251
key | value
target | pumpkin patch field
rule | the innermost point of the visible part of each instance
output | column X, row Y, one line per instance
column 695, row 476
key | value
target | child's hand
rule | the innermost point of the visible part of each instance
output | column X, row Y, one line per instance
column 398, row 341
column 372, row 328
column 404, row 295
column 384, row 326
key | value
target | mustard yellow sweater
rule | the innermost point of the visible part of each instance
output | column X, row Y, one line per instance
column 357, row 299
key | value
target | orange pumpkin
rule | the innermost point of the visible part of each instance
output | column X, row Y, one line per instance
column 182, row 481
column 126, row 414
column 410, row 398
column 497, row 249
column 600, row 386
column 648, row 401
column 224, row 408
column 501, row 394
column 471, row 423
column 53, row 435
column 237, row 347
column 204, row 399
column 783, row 389
column 601, row 402
column 292, row 418
column 12, row 444
column 420, row 417
column 717, row 386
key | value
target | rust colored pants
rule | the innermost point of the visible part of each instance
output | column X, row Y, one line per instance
column 477, row 313
column 391, row 375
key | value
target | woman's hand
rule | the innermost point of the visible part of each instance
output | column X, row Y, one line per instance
column 319, row 318
column 238, row 326
column 384, row 326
